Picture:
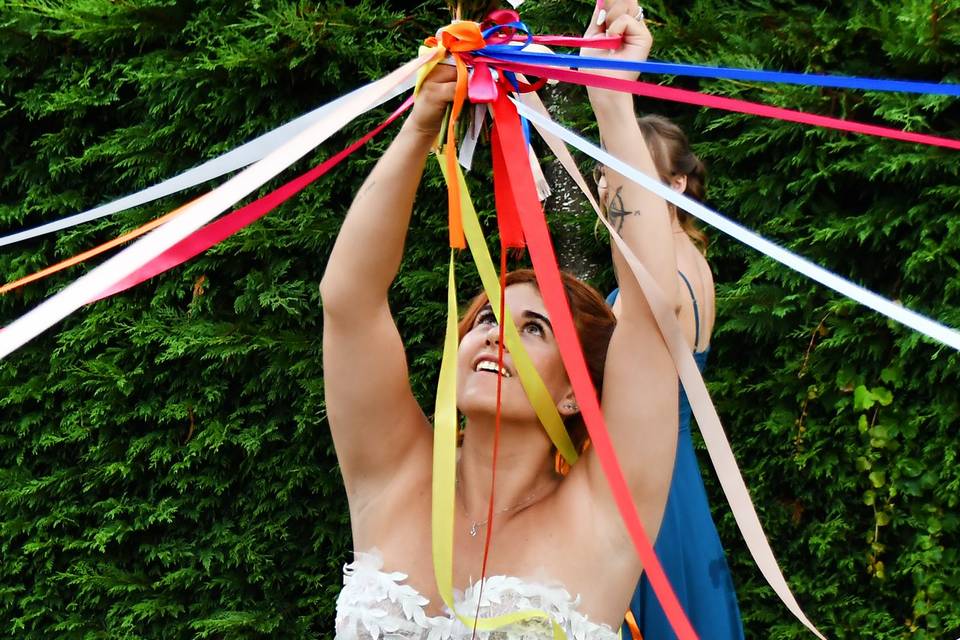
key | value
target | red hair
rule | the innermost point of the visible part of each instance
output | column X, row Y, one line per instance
column 592, row 318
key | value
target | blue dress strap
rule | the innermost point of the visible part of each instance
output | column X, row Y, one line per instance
column 696, row 313
column 696, row 309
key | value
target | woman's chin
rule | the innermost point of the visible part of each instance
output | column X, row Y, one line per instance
column 477, row 399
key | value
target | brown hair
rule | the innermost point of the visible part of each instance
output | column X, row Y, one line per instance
column 673, row 157
column 592, row 318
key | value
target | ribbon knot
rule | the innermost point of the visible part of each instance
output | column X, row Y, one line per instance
column 463, row 36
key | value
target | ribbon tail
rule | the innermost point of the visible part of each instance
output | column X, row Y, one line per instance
column 707, row 419
column 731, row 104
column 197, row 214
column 554, row 297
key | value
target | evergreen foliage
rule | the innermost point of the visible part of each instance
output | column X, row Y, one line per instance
column 165, row 466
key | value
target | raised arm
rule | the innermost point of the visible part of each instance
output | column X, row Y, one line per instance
column 640, row 383
column 376, row 422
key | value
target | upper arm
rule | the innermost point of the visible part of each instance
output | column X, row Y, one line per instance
column 640, row 400
column 376, row 422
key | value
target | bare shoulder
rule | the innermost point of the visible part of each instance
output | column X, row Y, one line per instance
column 693, row 266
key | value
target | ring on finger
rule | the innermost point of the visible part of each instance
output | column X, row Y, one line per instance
column 639, row 15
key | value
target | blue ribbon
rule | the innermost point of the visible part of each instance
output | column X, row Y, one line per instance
column 514, row 54
column 517, row 26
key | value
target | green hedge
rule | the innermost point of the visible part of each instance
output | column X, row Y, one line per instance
column 165, row 466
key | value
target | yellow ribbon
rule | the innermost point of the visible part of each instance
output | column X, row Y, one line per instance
column 533, row 384
column 444, row 479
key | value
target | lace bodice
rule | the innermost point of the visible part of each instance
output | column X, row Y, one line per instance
column 375, row 605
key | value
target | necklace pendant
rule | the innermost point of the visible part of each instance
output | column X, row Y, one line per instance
column 474, row 530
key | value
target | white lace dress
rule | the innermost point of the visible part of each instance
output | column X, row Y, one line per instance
column 376, row 605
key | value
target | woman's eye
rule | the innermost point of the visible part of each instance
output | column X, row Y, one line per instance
column 486, row 317
column 533, row 328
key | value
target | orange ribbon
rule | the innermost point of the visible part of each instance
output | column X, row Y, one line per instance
column 457, row 38
column 80, row 257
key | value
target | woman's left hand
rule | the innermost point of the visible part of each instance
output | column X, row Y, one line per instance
column 619, row 18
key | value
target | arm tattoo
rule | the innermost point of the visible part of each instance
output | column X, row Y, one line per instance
column 617, row 213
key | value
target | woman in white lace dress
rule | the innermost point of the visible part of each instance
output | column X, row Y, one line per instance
column 559, row 544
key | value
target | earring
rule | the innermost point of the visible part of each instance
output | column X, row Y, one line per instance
column 560, row 464
column 570, row 406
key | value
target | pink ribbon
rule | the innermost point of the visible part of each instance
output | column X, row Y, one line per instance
column 718, row 102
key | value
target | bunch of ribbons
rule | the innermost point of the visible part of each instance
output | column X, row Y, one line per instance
column 493, row 61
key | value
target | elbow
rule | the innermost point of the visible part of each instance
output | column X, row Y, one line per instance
column 334, row 296
column 349, row 298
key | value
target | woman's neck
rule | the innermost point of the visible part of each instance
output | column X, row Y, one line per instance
column 524, row 468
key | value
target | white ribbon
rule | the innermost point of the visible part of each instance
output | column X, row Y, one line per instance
column 912, row 319
column 238, row 158
column 200, row 211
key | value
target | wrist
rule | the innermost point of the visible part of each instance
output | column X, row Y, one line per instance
column 418, row 133
column 613, row 113
column 611, row 104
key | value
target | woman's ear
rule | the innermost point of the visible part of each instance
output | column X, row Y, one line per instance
column 679, row 183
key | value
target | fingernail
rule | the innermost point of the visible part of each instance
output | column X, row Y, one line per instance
column 601, row 17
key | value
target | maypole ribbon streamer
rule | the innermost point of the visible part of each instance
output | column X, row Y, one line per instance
column 513, row 54
column 238, row 158
column 215, row 232
column 507, row 133
column 530, row 379
column 90, row 253
column 443, row 482
column 727, row 104
column 907, row 317
column 718, row 447
column 198, row 213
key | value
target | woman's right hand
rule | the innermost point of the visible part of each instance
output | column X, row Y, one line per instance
column 431, row 102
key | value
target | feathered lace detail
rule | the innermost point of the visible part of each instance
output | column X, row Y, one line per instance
column 375, row 605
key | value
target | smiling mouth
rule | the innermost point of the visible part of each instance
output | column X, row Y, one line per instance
column 491, row 367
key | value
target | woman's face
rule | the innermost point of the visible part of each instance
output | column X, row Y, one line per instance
column 477, row 359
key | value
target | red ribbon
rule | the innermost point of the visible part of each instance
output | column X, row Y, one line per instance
column 508, row 218
column 544, row 260
column 718, row 102
column 215, row 232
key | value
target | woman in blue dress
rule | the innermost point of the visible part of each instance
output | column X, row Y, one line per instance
column 688, row 545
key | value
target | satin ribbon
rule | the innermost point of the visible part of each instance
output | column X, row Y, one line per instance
column 443, row 483
column 507, row 133
column 228, row 225
column 238, row 158
column 718, row 447
column 86, row 255
column 512, row 54
column 532, row 383
column 198, row 213
column 912, row 319
column 726, row 104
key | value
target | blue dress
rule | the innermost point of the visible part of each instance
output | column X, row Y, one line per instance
column 688, row 545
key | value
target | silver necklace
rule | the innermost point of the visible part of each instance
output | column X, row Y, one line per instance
column 477, row 525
